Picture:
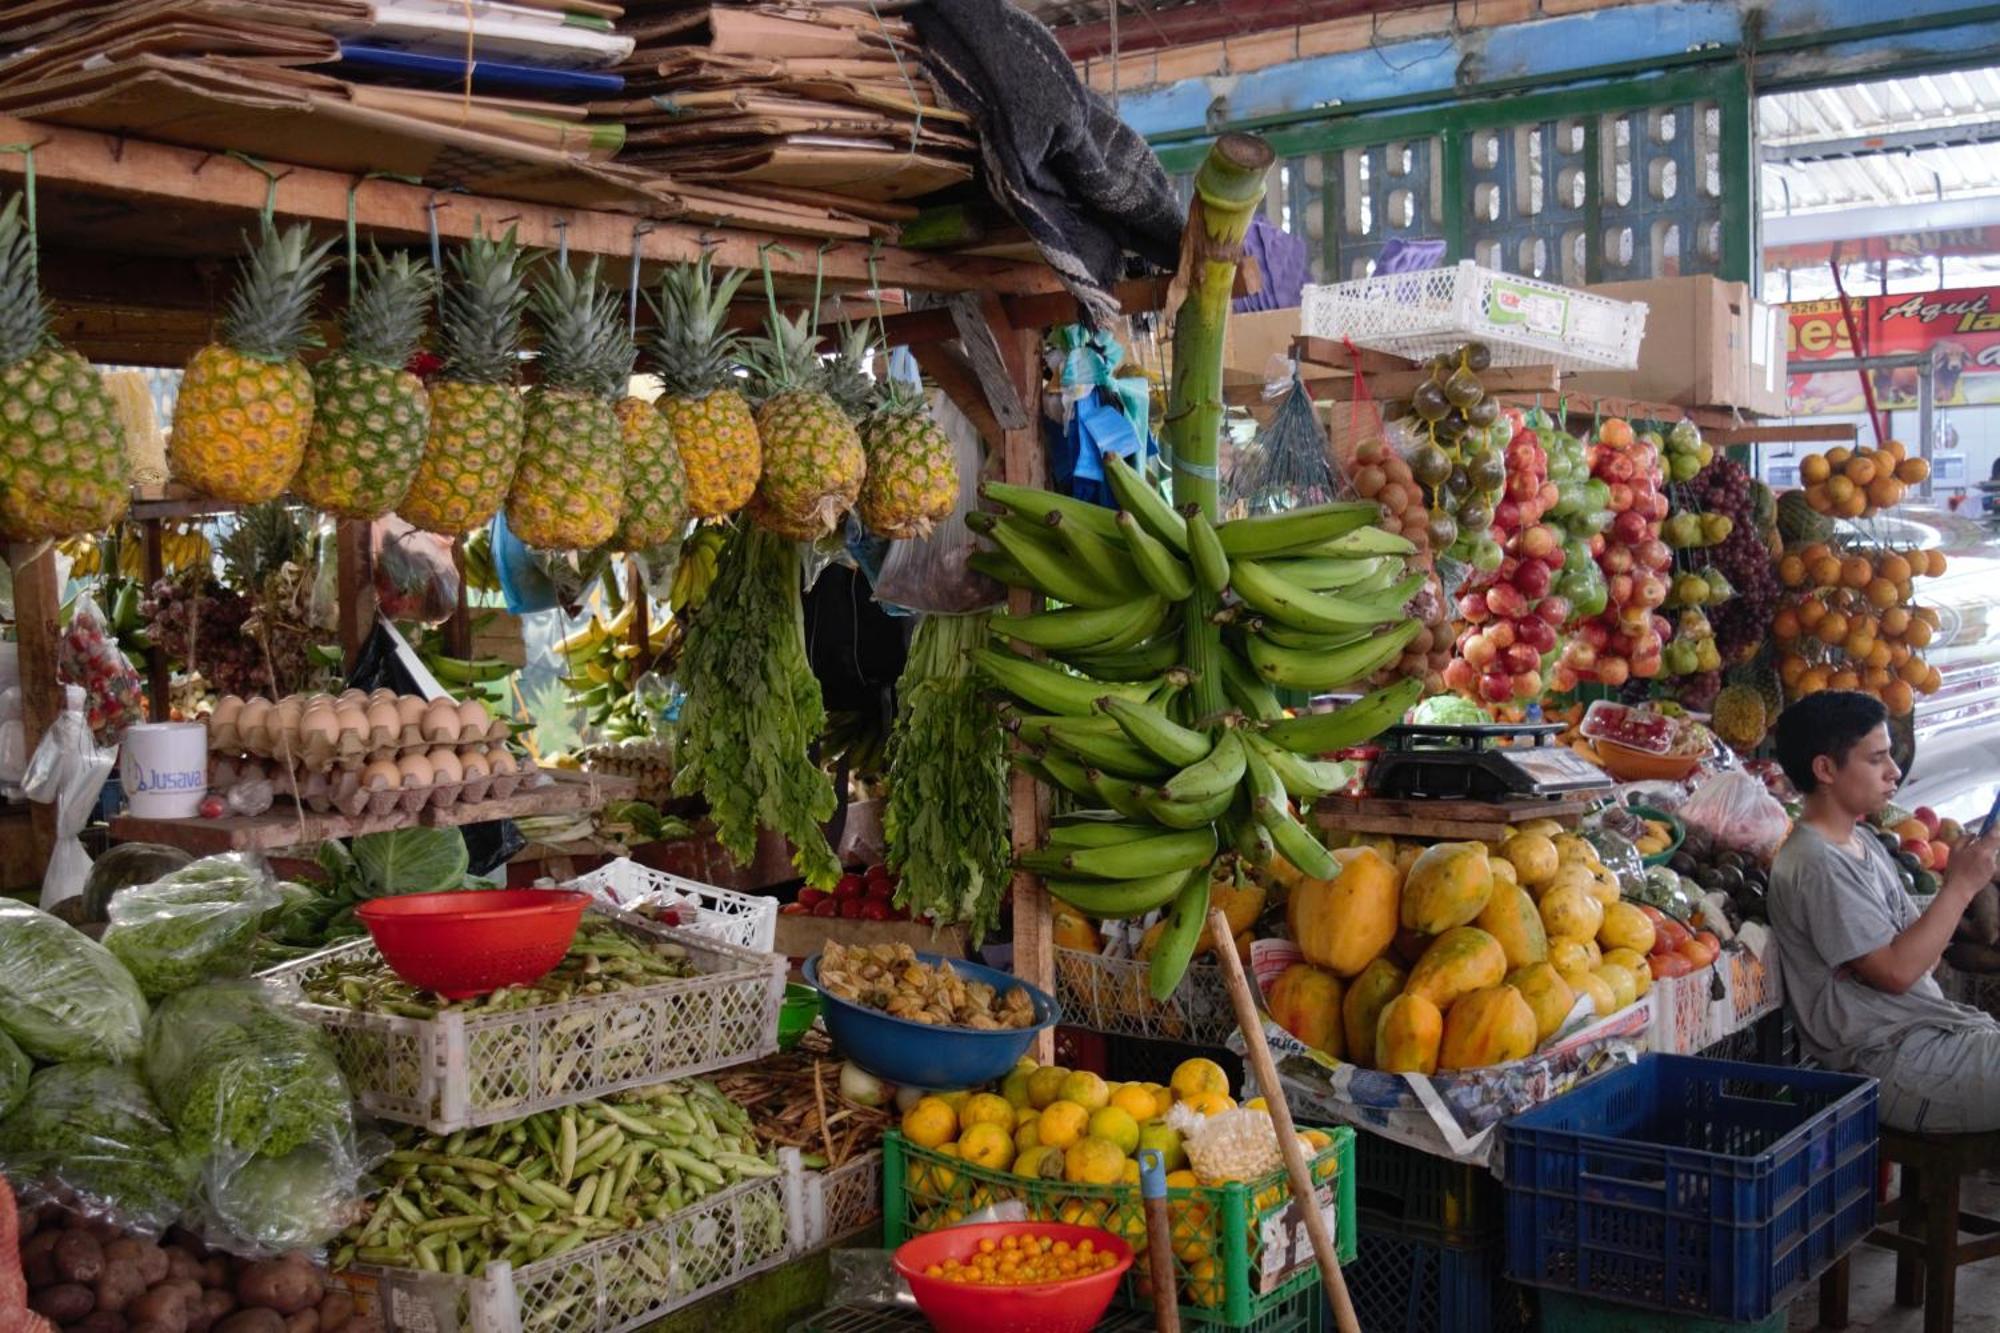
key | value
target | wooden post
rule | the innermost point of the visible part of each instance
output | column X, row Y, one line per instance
column 357, row 588
column 642, row 629
column 158, row 679
column 36, row 600
column 458, row 630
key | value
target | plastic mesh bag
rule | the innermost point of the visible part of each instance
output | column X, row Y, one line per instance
column 68, row 769
column 15, row 1067
column 192, row 925
column 89, row 1137
column 88, row 656
column 930, row 573
column 414, row 575
column 1288, row 465
column 1738, row 814
column 235, row 1071
column 62, row 994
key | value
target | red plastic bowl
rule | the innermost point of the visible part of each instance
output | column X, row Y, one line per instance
column 1073, row 1305
column 462, row 944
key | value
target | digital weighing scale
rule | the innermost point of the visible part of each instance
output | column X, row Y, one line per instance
column 1472, row 764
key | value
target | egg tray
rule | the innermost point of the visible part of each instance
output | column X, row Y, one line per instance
column 338, row 787
column 346, row 746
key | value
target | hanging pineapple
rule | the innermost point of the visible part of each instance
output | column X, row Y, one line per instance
column 813, row 462
column 569, row 491
column 656, row 510
column 63, row 468
column 694, row 356
column 476, row 410
column 912, row 481
column 246, row 403
column 372, row 414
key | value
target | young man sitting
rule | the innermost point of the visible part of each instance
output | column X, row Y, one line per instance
column 1855, row 953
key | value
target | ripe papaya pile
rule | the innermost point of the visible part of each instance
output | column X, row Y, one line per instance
column 1158, row 707
column 1457, row 955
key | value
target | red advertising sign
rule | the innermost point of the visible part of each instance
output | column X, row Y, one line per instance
column 1959, row 330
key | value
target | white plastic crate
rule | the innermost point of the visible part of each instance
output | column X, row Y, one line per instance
column 737, row 918
column 461, row 1070
column 1112, row 996
column 607, row 1286
column 1524, row 321
column 842, row 1201
column 1750, row 990
column 1683, row 1020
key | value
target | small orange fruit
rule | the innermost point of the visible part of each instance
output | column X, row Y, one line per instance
column 1785, row 625
column 1814, row 468
column 1832, row 627
column 1854, row 506
column 1840, row 490
column 1933, row 680
column 1896, row 450
column 1817, row 499
column 1791, row 668
column 1915, row 671
column 1935, row 559
column 1885, row 492
column 1844, row 679
column 1825, row 572
column 1895, row 620
column 1881, row 594
column 1855, row 571
column 1791, row 571
column 1837, row 456
column 1893, row 567
column 1929, row 615
column 1811, row 613
column 1859, row 470
column 1898, row 698
column 1913, row 471
column 1812, row 681
column 1919, row 634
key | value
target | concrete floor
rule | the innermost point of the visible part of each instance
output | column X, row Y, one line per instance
column 1872, row 1305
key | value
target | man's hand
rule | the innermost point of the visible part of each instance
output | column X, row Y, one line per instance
column 1971, row 867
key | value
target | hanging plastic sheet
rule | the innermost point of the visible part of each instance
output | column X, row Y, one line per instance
column 1104, row 413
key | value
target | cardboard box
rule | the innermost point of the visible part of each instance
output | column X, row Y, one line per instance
column 1251, row 340
column 1708, row 344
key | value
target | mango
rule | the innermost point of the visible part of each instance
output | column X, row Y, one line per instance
column 1462, row 959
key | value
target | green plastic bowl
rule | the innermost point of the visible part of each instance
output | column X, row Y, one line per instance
column 801, row 1007
column 1672, row 822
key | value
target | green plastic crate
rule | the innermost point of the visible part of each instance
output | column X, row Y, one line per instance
column 1218, row 1229
column 1566, row 1312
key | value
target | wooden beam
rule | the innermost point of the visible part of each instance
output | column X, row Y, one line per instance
column 159, row 681
column 951, row 372
column 1135, row 296
column 1832, row 432
column 36, row 602
column 994, row 360
column 1395, row 384
column 83, row 162
column 355, row 581
column 1335, row 356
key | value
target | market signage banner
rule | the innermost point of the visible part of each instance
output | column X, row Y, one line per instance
column 1959, row 330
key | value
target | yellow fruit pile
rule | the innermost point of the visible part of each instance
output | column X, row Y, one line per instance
column 1857, row 483
column 1851, row 623
column 1025, row 1260
column 1656, row 839
column 1455, row 955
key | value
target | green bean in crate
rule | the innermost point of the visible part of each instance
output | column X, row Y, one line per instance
column 1236, row 1244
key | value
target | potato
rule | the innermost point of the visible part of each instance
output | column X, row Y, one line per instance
column 99, row 1321
column 78, row 1256
column 215, row 1273
column 252, row 1321
column 305, row 1321
column 183, row 1264
column 62, row 1302
column 335, row 1308
column 121, row 1283
column 148, row 1258
column 38, row 1258
column 213, row 1307
column 285, row 1285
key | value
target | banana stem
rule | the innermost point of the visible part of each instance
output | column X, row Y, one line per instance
column 1227, row 190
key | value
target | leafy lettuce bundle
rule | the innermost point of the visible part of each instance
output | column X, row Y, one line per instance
column 234, row 1070
column 89, row 1135
column 64, row 996
column 191, row 925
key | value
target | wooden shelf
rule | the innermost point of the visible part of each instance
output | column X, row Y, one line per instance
column 174, row 501
column 1480, row 821
column 286, row 825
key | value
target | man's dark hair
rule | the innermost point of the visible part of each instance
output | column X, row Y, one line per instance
column 1829, row 723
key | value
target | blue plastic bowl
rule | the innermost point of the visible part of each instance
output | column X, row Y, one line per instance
column 924, row 1055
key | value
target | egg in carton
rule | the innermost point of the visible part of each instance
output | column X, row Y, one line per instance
column 505, row 771
column 346, row 792
column 447, row 777
column 222, row 720
column 396, row 784
column 253, row 726
column 384, row 724
column 475, row 773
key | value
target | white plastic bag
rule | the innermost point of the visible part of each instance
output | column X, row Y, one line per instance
column 930, row 574
column 13, row 745
column 1736, row 811
column 68, row 768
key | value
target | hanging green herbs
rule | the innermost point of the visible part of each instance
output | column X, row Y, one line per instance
column 946, row 820
column 754, row 708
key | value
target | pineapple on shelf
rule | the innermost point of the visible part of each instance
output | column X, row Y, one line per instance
column 656, row 509
column 372, row 415
column 912, row 481
column 813, row 460
column 476, row 408
column 569, row 490
column 246, row 403
column 694, row 355
column 63, row 468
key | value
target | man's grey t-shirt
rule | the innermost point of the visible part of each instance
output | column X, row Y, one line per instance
column 1827, row 909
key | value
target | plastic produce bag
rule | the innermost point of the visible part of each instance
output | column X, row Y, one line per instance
column 255, row 1204
column 930, row 573
column 414, row 575
column 125, row 865
column 88, row 656
column 1288, row 465
column 323, row 602
column 233, row 1070
column 13, row 744
column 15, row 1067
column 68, row 769
column 193, row 925
column 89, row 1137
column 1738, row 814
column 63, row 996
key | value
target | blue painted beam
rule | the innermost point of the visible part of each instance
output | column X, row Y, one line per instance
column 1802, row 41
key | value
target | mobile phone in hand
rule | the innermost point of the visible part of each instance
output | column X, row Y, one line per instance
column 1991, row 815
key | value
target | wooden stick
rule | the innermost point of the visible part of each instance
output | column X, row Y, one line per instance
column 1259, row 1052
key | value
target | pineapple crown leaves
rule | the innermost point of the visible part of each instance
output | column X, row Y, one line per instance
column 847, row 380
column 263, row 538
column 786, row 359
column 386, row 322
column 585, row 346
column 692, row 352
column 269, row 316
column 24, row 316
column 479, row 324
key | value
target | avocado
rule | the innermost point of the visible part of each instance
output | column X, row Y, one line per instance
column 1927, row 884
column 1709, row 877
column 1909, row 880
column 1732, row 879
column 1908, row 861
column 1682, row 864
column 1731, row 861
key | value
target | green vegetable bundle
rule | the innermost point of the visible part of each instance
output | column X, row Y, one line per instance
column 14, row 1071
column 299, row 1201
column 233, row 1070
column 754, row 709
column 63, row 996
column 192, row 925
column 539, row 1187
column 90, row 1134
column 947, row 817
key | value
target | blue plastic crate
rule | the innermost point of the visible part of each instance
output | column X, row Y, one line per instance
column 1403, row 1283
column 1693, row 1186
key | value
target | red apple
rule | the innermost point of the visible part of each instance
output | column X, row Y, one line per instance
column 1621, row 497
column 1658, row 508
column 1650, row 591
column 849, row 886
column 1563, row 679
column 1556, row 559
column 1619, row 645
column 1927, row 817
column 1507, row 515
column 1460, row 676
column 1596, row 545
column 1507, row 570
column 1618, row 467
column 1527, row 683
column 1532, row 578
column 1580, row 655
column 1506, row 601
column 1613, row 671
column 1472, row 607
column 1653, row 554
column 1521, row 658
column 1618, row 589
column 1617, row 560
column 1555, row 610
column 1630, row 527
column 1496, row 687
column 829, row 907
column 1537, row 633
column 1548, row 495
column 1645, row 644
column 1501, row 634
column 1538, row 541
column 1921, row 849
column 812, row 897
column 1595, row 633
column 1479, row 652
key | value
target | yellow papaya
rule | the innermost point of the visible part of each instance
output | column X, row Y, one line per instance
column 1602, row 998
column 1407, row 1036
column 1344, row 923
column 1511, row 918
column 1306, row 1002
column 1490, row 1026
column 1380, row 982
column 1532, row 856
column 1626, row 927
column 1547, row 994
column 1447, row 886
column 1571, row 913
column 1072, row 930
column 1624, row 989
column 1461, row 960
column 1634, row 963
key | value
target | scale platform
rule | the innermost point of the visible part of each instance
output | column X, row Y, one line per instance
column 1463, row 782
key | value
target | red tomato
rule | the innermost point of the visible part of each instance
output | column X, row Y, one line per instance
column 1669, row 965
